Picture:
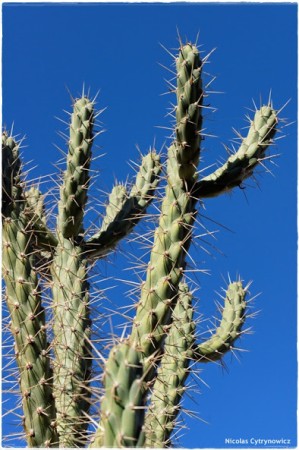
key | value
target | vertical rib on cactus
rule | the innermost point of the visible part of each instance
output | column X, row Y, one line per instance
column 72, row 366
column 23, row 298
column 169, row 386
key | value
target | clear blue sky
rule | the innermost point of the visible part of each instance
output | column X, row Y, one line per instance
column 114, row 48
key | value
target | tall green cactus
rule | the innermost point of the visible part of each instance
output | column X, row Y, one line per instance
column 23, row 299
column 145, row 373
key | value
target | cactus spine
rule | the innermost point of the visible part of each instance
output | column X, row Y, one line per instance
column 144, row 375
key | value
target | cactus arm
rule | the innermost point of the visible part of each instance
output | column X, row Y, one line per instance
column 233, row 318
column 172, row 237
column 35, row 211
column 169, row 386
column 73, row 191
column 124, row 210
column 146, row 180
column 241, row 164
column 23, row 299
column 117, row 199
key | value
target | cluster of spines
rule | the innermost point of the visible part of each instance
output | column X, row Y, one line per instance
column 11, row 176
column 45, row 240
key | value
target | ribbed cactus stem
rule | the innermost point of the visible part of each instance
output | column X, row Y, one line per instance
column 123, row 405
column 117, row 199
column 23, row 299
column 188, row 111
column 146, row 181
column 72, row 366
column 29, row 331
column 172, row 237
column 169, row 386
column 73, row 191
column 241, row 164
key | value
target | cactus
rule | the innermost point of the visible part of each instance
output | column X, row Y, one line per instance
column 144, row 375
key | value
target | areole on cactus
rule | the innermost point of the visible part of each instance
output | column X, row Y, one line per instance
column 144, row 374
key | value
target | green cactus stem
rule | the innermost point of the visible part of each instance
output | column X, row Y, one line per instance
column 23, row 299
column 230, row 328
column 73, row 359
column 169, row 386
column 123, row 405
column 73, row 191
column 124, row 210
column 241, row 164
column 173, row 235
